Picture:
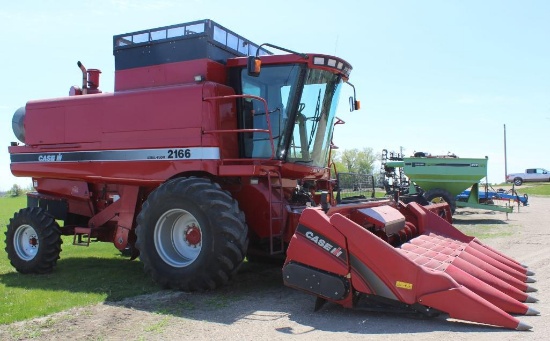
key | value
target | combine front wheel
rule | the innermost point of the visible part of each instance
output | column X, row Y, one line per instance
column 33, row 241
column 191, row 235
column 438, row 195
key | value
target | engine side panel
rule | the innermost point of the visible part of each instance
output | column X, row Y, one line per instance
column 134, row 137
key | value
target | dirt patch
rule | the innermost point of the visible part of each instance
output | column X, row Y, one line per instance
column 256, row 305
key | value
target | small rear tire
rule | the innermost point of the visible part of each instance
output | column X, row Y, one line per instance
column 33, row 241
column 518, row 181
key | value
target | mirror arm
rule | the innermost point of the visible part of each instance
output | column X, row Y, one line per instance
column 354, row 103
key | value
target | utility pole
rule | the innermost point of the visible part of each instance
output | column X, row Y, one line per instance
column 505, row 156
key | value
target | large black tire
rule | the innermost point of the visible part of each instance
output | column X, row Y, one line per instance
column 518, row 181
column 191, row 235
column 437, row 195
column 33, row 241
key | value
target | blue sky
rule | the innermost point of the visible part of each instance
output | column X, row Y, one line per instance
column 433, row 76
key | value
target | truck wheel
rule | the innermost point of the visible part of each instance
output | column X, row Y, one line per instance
column 518, row 181
column 191, row 235
column 438, row 195
column 33, row 241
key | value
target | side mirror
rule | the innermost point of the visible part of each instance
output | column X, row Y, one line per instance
column 354, row 104
column 253, row 66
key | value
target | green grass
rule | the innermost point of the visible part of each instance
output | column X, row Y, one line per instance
column 158, row 327
column 482, row 231
column 8, row 206
column 378, row 193
column 537, row 188
column 83, row 276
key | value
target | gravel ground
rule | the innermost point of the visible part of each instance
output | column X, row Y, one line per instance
column 257, row 306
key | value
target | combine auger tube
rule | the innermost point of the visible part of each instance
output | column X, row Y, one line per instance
column 353, row 252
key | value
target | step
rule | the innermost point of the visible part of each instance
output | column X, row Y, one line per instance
column 80, row 232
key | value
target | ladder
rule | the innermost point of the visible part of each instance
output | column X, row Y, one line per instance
column 276, row 212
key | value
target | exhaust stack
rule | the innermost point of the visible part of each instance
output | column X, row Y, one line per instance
column 90, row 82
column 84, row 78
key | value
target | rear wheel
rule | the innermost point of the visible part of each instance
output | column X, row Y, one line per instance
column 191, row 235
column 438, row 195
column 518, row 181
column 33, row 241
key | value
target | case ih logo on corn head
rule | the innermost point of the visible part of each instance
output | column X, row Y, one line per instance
column 212, row 149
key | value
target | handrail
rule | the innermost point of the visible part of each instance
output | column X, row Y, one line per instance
column 332, row 145
column 235, row 131
column 268, row 120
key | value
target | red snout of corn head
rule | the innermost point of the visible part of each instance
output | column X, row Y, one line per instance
column 382, row 257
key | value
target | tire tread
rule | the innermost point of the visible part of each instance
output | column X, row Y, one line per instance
column 228, row 228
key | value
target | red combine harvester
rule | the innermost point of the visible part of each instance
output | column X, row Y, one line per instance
column 211, row 149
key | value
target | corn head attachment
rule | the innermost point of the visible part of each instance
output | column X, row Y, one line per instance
column 380, row 256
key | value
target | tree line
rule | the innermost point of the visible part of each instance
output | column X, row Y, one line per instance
column 355, row 160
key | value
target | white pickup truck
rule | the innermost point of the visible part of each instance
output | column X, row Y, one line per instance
column 531, row 174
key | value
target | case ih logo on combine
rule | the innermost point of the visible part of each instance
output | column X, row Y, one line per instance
column 322, row 242
column 50, row 158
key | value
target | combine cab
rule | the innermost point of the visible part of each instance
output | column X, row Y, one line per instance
column 212, row 149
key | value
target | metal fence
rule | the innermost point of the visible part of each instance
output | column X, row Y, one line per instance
column 352, row 186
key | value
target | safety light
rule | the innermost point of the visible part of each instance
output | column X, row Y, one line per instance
column 254, row 66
